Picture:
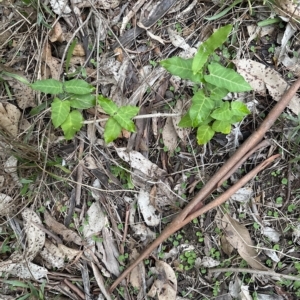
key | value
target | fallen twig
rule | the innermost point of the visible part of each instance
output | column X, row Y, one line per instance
column 256, row 272
column 191, row 211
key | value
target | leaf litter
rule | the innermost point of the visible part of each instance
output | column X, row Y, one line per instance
column 113, row 223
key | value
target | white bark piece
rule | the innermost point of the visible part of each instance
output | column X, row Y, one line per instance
column 243, row 195
column 96, row 220
column 52, row 255
column 137, row 161
column 261, row 77
column 6, row 205
column 35, row 237
column 147, row 209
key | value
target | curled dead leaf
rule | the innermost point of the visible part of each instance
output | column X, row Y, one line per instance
column 9, row 118
column 67, row 234
column 165, row 286
column 238, row 236
column 35, row 236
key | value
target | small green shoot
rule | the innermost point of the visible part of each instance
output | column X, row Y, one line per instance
column 208, row 112
column 75, row 95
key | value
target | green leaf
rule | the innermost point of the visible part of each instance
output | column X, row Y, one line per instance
column 201, row 108
column 185, row 121
column 226, row 78
column 108, row 106
column 48, row 86
column 70, row 54
column 216, row 93
column 59, row 111
column 82, row 101
column 204, row 134
column 16, row 283
column 78, row 86
column 223, row 113
column 72, row 124
column 123, row 116
column 112, row 130
column 16, row 76
column 221, row 126
column 182, row 68
column 239, row 109
column 209, row 46
column 223, row 12
column 36, row 110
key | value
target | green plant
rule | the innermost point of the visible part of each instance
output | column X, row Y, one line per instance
column 216, row 288
column 75, row 95
column 208, row 112
column 187, row 260
column 123, row 175
column 34, row 292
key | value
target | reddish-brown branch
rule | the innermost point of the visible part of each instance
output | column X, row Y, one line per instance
column 191, row 211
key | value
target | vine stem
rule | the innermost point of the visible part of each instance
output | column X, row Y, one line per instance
column 138, row 117
column 195, row 208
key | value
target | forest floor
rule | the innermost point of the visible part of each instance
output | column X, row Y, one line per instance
column 94, row 162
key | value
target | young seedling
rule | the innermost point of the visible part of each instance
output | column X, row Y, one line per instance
column 75, row 95
column 208, row 112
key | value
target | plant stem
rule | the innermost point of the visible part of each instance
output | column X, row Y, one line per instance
column 157, row 115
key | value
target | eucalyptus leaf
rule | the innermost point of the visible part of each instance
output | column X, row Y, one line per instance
column 222, row 113
column 48, row 86
column 201, row 107
column 209, row 46
column 226, row 78
column 185, row 121
column 221, row 126
column 182, row 68
column 72, row 124
column 59, row 111
column 239, row 109
column 124, row 115
column 82, row 101
column 108, row 106
column 112, row 130
column 204, row 134
column 78, row 86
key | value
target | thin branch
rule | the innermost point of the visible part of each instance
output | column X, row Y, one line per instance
column 138, row 117
column 256, row 272
column 191, row 210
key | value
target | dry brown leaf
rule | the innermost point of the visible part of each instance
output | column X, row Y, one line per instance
column 68, row 253
column 78, row 50
column 52, row 255
column 9, row 118
column 169, row 135
column 165, row 286
column 35, row 236
column 138, row 274
column 261, row 77
column 238, row 236
column 52, row 62
column 67, row 234
column 56, row 33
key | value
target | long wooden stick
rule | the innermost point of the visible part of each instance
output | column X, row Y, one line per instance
column 191, row 210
